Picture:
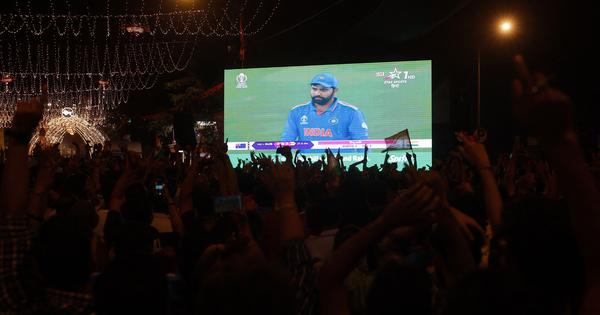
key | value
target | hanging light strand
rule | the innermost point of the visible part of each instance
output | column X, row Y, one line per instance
column 92, row 61
column 177, row 22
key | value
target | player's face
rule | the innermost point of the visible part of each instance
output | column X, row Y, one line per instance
column 321, row 95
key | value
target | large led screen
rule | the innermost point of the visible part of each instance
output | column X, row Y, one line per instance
column 342, row 106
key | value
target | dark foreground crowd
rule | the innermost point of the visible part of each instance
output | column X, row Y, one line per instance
column 109, row 232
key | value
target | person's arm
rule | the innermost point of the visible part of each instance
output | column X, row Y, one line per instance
column 97, row 166
column 509, row 177
column 15, row 178
column 466, row 224
column 225, row 175
column 508, row 180
column 547, row 113
column 174, row 213
column 292, row 227
column 16, row 236
column 117, row 199
column 457, row 257
column 15, row 175
column 279, row 178
column 233, row 187
column 117, row 196
column 408, row 207
column 476, row 154
column 358, row 129
column 578, row 186
column 280, row 181
column 45, row 177
column 290, row 133
column 551, row 188
column 186, row 199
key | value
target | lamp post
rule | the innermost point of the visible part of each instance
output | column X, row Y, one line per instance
column 505, row 28
column 478, row 106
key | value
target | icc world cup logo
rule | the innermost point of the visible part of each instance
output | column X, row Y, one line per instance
column 241, row 80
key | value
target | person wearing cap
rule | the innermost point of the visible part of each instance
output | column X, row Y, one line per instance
column 325, row 117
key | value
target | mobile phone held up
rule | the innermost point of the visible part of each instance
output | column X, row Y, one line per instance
column 228, row 204
column 159, row 187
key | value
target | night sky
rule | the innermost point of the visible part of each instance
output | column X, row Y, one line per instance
column 557, row 37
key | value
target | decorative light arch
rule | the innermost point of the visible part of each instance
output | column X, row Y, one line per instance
column 56, row 129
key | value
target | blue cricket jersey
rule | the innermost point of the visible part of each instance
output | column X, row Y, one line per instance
column 341, row 121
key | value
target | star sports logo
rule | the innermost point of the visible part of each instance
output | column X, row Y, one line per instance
column 394, row 75
column 394, row 78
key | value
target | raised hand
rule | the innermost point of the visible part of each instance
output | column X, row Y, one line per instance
column 225, row 175
column 414, row 158
column 296, row 156
column 340, row 160
column 410, row 206
column 117, row 197
column 49, row 159
column 365, row 157
column 409, row 160
column 27, row 115
column 332, row 162
column 279, row 179
column 473, row 151
column 545, row 111
column 284, row 179
column 286, row 152
column 466, row 224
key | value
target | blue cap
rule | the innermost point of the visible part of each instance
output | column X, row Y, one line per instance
column 325, row 79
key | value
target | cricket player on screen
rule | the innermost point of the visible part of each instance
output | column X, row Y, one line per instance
column 325, row 117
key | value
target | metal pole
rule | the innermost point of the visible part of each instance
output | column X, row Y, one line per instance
column 478, row 104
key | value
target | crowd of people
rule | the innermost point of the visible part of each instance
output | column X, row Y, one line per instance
column 287, row 235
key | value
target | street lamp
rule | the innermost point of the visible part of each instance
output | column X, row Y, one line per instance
column 505, row 28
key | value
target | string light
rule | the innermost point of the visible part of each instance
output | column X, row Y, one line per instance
column 95, row 60
column 6, row 79
column 91, row 105
column 209, row 21
column 136, row 29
